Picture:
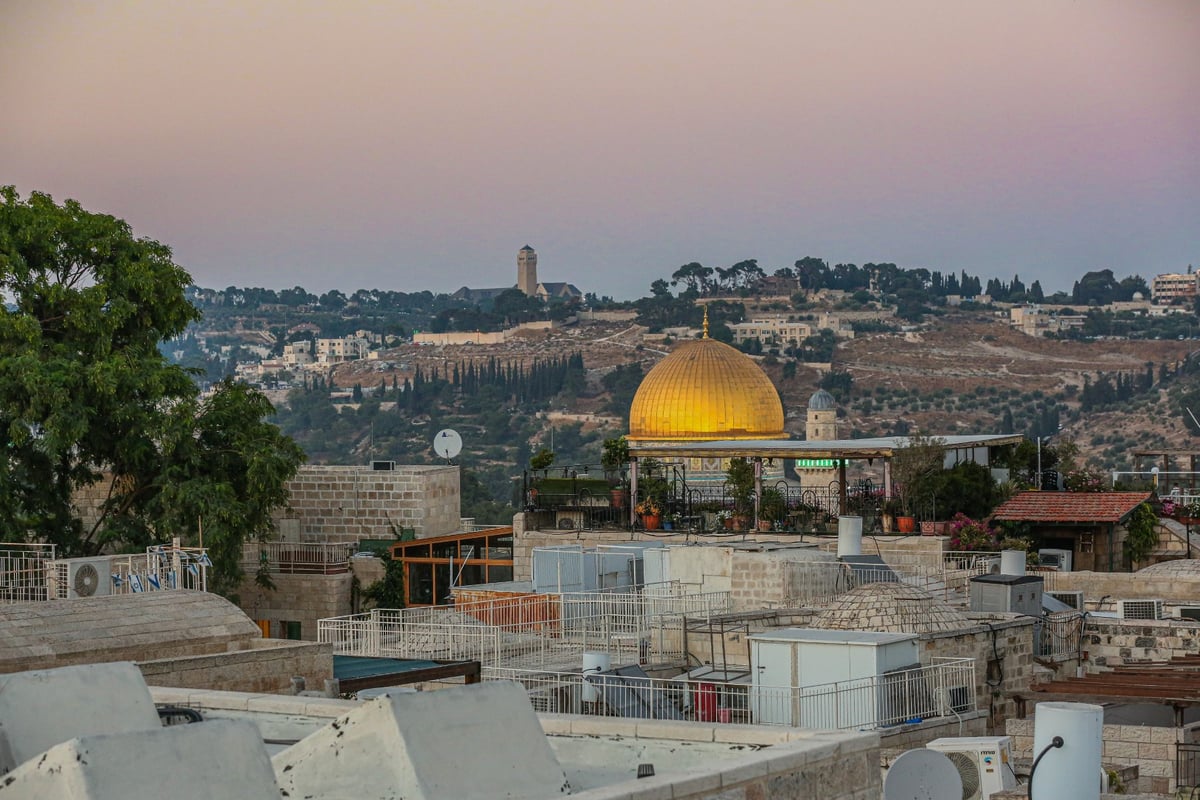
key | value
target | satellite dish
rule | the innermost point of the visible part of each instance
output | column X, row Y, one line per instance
column 922, row 775
column 447, row 443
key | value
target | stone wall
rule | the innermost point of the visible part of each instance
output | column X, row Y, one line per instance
column 1002, row 646
column 346, row 504
column 1151, row 749
column 1113, row 586
column 297, row 598
column 1111, row 642
column 266, row 665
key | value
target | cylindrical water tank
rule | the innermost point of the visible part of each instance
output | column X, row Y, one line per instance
column 1072, row 770
column 593, row 664
column 1012, row 562
column 849, row 536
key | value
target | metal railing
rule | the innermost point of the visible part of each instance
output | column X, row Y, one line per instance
column 161, row 568
column 297, row 558
column 944, row 688
column 1058, row 635
column 532, row 630
column 23, row 572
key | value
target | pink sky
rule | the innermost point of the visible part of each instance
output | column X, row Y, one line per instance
column 419, row 145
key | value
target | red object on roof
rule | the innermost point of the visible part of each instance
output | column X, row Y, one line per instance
column 1069, row 506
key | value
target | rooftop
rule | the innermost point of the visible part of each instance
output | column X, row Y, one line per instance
column 1067, row 507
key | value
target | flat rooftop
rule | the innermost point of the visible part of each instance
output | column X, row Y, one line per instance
column 600, row 755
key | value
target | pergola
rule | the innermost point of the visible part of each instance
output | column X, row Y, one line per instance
column 958, row 448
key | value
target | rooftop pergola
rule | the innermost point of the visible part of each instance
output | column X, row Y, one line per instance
column 839, row 450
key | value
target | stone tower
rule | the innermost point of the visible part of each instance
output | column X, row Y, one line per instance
column 527, row 280
column 822, row 417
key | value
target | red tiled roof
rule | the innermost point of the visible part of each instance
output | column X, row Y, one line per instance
column 1069, row 506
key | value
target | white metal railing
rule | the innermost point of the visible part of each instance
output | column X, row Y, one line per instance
column 531, row 630
column 298, row 558
column 23, row 572
column 944, row 688
column 821, row 582
column 160, row 568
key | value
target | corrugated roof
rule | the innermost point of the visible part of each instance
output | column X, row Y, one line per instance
column 1069, row 506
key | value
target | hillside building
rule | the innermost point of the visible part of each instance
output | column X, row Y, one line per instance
column 1173, row 286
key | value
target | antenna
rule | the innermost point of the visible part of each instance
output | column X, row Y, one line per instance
column 922, row 775
column 447, row 443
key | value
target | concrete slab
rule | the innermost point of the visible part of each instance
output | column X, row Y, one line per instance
column 42, row 708
column 478, row 742
column 214, row 760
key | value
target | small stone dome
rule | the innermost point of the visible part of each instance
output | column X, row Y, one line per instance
column 1181, row 567
column 706, row 390
column 892, row 607
column 822, row 400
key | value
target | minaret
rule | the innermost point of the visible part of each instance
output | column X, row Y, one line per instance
column 527, row 280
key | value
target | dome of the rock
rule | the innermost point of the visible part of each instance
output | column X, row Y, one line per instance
column 706, row 390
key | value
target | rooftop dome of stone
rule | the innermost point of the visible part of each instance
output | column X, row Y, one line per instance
column 1183, row 567
column 706, row 390
column 891, row 607
column 821, row 400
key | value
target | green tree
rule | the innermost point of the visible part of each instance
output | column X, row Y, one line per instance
column 86, row 398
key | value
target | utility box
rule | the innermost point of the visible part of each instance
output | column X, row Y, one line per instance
column 1012, row 594
column 793, row 671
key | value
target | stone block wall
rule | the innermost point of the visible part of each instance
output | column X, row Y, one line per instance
column 297, row 598
column 1111, row 642
column 346, row 504
column 1151, row 749
column 1003, row 663
column 1113, row 586
column 267, row 665
column 771, row 579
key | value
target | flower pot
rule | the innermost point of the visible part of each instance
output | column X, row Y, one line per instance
column 652, row 522
column 906, row 524
column 620, row 498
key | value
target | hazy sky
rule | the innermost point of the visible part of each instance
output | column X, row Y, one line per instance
column 407, row 145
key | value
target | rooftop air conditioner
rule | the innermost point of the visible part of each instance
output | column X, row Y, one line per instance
column 1190, row 612
column 983, row 762
column 1140, row 609
column 73, row 578
column 1059, row 559
column 1072, row 599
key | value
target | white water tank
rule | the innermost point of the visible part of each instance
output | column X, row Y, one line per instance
column 1072, row 770
column 849, row 536
column 593, row 664
column 1012, row 562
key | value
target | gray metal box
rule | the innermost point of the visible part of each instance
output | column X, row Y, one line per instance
column 1014, row 594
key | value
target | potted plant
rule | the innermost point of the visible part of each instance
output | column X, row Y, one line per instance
column 891, row 510
column 739, row 481
column 650, row 512
column 614, row 458
column 913, row 466
column 772, row 508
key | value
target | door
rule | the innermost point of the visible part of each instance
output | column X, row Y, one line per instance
column 771, row 694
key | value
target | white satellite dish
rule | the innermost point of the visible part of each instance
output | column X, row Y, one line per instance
column 447, row 443
column 922, row 775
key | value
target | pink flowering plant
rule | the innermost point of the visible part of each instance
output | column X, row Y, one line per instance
column 1085, row 480
column 969, row 534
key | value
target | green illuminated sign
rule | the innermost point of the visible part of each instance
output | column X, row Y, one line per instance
column 815, row 463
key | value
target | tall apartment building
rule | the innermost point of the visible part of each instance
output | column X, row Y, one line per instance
column 1173, row 286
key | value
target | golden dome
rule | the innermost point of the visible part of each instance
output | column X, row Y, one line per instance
column 706, row 390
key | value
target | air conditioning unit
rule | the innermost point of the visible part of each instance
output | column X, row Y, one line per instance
column 1059, row 559
column 1072, row 599
column 71, row 578
column 983, row 762
column 1190, row 612
column 383, row 466
column 1140, row 609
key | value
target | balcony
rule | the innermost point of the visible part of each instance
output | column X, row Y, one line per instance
column 297, row 558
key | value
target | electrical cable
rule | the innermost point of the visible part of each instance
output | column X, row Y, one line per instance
column 1057, row 741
